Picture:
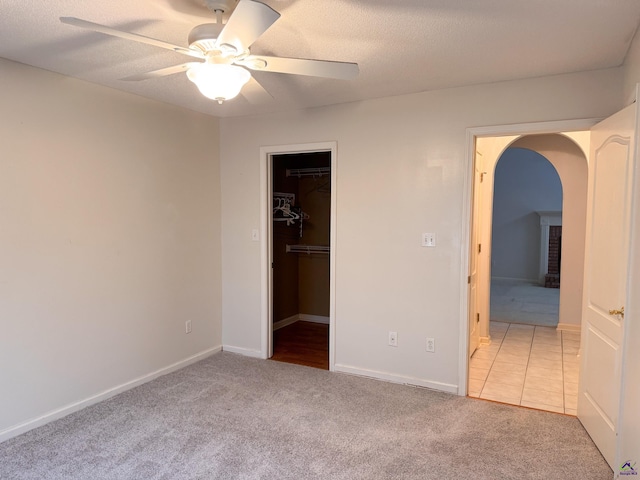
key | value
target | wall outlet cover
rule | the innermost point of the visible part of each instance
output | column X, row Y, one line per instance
column 431, row 345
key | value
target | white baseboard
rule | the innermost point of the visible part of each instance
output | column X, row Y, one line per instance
column 285, row 322
column 247, row 352
column 305, row 317
column 302, row 317
column 393, row 378
column 21, row 428
column 569, row 327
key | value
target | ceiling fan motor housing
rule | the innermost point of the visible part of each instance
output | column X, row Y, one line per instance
column 203, row 37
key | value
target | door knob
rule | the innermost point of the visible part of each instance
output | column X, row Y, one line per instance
column 617, row 312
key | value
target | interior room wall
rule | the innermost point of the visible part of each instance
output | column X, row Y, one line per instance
column 524, row 183
column 285, row 265
column 110, row 241
column 632, row 70
column 314, row 269
column 401, row 170
column 629, row 434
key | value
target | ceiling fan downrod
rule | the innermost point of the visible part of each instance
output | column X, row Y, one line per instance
column 220, row 7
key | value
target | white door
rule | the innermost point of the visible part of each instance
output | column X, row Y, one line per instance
column 474, row 323
column 611, row 167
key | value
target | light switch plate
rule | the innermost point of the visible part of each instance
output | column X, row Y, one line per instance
column 428, row 239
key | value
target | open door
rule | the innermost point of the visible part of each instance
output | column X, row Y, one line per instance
column 474, row 316
column 606, row 287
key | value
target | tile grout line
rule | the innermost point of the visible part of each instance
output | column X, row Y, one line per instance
column 492, row 361
column 527, row 368
column 496, row 356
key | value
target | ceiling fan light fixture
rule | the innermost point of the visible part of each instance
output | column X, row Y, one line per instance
column 218, row 82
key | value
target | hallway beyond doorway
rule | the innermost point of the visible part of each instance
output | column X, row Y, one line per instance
column 527, row 365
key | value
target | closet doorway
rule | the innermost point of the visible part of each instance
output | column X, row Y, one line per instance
column 300, row 257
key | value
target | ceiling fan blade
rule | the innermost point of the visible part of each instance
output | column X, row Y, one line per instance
column 255, row 93
column 299, row 66
column 163, row 72
column 248, row 21
column 96, row 27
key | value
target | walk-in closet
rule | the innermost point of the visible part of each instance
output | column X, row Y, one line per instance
column 301, row 186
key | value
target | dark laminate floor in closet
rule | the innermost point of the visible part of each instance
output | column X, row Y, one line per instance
column 302, row 343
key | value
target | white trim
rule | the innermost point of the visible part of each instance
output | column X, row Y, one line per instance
column 465, row 250
column 569, row 327
column 21, row 428
column 266, row 277
column 393, row 378
column 247, row 352
column 285, row 322
column 534, row 128
column 266, row 272
column 471, row 135
column 304, row 317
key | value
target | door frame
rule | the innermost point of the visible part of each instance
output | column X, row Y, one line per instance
column 266, row 232
column 467, row 218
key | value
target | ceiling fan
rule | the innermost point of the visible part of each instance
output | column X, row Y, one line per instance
column 223, row 51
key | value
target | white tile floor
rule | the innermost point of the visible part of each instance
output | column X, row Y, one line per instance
column 527, row 365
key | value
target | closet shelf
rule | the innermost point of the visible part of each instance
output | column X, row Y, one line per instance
column 308, row 249
column 308, row 172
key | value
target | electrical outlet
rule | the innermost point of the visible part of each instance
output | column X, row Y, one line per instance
column 393, row 339
column 431, row 345
column 187, row 326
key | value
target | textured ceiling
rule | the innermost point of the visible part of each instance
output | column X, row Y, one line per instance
column 401, row 46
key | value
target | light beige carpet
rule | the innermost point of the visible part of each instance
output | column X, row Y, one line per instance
column 231, row 417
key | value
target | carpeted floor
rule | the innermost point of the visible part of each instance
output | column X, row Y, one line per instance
column 519, row 301
column 231, row 417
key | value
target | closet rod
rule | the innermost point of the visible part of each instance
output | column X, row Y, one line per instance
column 308, row 172
column 308, row 249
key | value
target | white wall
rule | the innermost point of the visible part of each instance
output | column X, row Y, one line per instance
column 629, row 418
column 524, row 183
column 629, row 436
column 109, row 241
column 400, row 171
column 632, row 70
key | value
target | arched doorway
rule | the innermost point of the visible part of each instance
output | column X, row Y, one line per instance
column 527, row 201
column 505, row 371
